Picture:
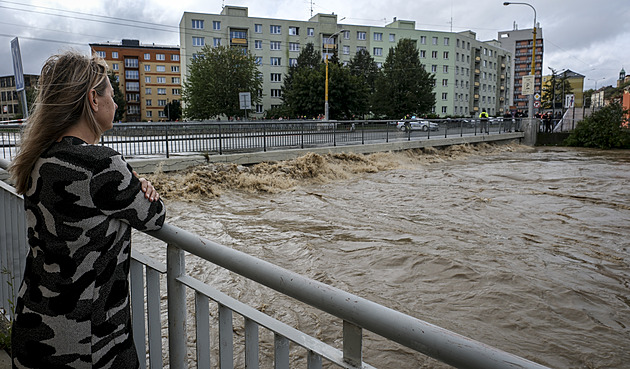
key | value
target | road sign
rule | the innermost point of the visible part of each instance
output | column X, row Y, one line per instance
column 528, row 85
column 245, row 100
column 569, row 101
column 536, row 104
column 537, row 97
column 17, row 64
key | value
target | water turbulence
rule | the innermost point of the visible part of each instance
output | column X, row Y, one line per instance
column 523, row 249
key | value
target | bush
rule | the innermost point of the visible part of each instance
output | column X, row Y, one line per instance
column 603, row 129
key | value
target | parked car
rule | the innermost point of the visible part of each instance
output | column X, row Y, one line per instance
column 417, row 124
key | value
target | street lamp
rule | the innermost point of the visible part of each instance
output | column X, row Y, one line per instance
column 326, row 93
column 530, row 107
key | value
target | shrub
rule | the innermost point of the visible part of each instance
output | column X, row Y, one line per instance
column 603, row 129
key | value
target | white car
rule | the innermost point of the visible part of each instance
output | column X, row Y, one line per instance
column 417, row 124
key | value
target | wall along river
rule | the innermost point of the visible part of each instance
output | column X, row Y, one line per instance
column 525, row 249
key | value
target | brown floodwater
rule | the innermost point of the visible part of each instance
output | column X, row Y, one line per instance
column 525, row 249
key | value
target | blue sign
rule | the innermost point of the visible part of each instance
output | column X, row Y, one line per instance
column 17, row 65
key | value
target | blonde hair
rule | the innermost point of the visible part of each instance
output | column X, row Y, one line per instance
column 62, row 101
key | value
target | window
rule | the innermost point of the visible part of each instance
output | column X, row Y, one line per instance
column 174, row 57
column 276, row 92
column 133, row 97
column 276, row 61
column 434, row 54
column 160, row 57
column 294, row 46
column 378, row 51
column 133, row 109
column 444, row 109
column 445, row 69
column 360, row 35
column 258, row 60
column 216, row 25
column 132, row 74
column 175, row 80
column 162, row 102
column 197, row 24
column 310, row 32
column 147, row 79
column 359, row 48
column 257, row 28
column 175, row 68
column 275, row 30
column 346, row 35
column 346, row 50
column 423, row 53
column 132, row 86
column 276, row 77
column 294, row 31
column 379, row 65
column 114, row 54
column 445, row 55
column 115, row 66
column 131, row 63
column 378, row 36
column 292, row 62
column 216, row 41
column 149, row 114
column 176, row 91
column 259, row 108
column 149, row 102
column 274, row 45
column 161, row 79
column 392, row 37
column 258, row 44
column 161, row 91
column 458, row 42
column 444, row 95
column 423, row 40
column 434, row 68
column 147, row 91
column 434, row 40
column 198, row 41
column 160, row 68
column 445, row 82
column 446, row 41
column 101, row 54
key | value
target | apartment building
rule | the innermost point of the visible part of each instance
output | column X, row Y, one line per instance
column 470, row 75
column 576, row 83
column 10, row 105
column 149, row 76
column 520, row 44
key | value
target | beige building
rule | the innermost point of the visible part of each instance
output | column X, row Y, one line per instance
column 576, row 81
column 149, row 76
column 10, row 106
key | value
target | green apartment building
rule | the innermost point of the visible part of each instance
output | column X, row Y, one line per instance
column 470, row 75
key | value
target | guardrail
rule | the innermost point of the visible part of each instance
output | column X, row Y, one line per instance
column 217, row 138
column 356, row 313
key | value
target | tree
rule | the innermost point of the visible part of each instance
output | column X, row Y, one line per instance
column 119, row 98
column 173, row 110
column 557, row 87
column 215, row 80
column 404, row 86
column 603, row 129
column 363, row 66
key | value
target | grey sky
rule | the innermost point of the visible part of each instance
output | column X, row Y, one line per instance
column 586, row 36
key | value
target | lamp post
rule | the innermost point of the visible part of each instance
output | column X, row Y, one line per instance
column 530, row 107
column 326, row 89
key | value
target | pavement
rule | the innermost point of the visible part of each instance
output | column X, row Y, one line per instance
column 5, row 360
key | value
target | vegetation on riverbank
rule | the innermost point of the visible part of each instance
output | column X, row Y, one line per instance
column 604, row 129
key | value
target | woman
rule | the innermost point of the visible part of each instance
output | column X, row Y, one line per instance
column 81, row 200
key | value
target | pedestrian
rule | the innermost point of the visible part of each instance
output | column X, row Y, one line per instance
column 81, row 200
column 483, row 121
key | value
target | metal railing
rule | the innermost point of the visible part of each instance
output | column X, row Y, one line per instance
column 217, row 138
column 357, row 313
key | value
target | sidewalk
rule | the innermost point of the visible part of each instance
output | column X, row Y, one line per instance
column 5, row 360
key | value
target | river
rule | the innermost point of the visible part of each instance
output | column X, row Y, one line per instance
column 524, row 249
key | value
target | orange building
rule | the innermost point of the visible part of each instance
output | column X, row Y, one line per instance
column 149, row 76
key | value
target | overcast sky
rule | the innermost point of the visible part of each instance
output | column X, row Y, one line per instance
column 590, row 37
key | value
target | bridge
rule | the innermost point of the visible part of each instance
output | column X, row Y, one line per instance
column 151, row 279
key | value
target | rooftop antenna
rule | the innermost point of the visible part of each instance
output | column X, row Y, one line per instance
column 451, row 16
column 311, row 8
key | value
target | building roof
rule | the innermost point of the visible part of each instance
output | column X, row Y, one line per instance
column 135, row 44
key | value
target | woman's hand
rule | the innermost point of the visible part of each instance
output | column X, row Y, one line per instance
column 149, row 191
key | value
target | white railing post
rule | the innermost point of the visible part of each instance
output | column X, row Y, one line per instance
column 176, row 267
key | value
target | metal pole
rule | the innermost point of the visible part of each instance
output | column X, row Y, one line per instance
column 175, row 264
column 326, row 95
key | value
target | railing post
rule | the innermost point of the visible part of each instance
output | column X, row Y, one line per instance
column 352, row 344
column 265, row 137
column 176, row 267
column 220, row 141
column 166, row 133
column 363, row 133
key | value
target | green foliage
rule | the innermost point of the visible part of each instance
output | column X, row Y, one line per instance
column 557, row 87
column 404, row 86
column 173, row 110
column 603, row 129
column 119, row 98
column 215, row 80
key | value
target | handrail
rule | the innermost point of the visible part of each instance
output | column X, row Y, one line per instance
column 439, row 343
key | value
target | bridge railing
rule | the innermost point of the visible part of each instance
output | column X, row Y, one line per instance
column 217, row 138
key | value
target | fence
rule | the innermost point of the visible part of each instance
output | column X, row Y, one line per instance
column 357, row 314
column 215, row 138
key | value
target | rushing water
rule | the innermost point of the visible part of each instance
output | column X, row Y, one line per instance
column 523, row 249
